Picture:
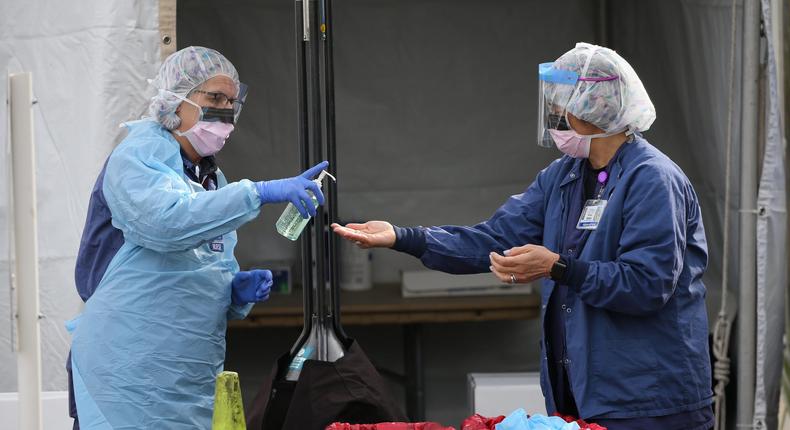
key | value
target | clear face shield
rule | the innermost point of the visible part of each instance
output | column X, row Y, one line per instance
column 556, row 89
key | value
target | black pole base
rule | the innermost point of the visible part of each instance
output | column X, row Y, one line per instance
column 349, row 390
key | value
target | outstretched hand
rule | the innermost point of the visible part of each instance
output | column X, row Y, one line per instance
column 372, row 234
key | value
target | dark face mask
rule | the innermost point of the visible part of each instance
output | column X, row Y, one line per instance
column 211, row 114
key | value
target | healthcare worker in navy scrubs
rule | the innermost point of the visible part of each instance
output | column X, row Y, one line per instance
column 614, row 231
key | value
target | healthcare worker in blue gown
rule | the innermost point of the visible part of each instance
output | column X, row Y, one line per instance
column 156, row 264
column 614, row 231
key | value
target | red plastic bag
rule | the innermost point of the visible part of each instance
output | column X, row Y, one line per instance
column 479, row 422
column 582, row 424
column 388, row 426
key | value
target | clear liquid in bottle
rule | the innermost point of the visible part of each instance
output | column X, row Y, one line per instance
column 291, row 223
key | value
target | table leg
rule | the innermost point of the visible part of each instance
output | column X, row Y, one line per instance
column 415, row 377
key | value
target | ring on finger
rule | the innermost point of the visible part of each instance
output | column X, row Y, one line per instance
column 512, row 278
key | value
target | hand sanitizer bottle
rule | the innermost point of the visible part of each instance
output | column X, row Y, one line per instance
column 291, row 222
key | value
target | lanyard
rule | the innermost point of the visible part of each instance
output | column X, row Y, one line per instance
column 593, row 208
column 603, row 178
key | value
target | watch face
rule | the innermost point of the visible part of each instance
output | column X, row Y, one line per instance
column 558, row 270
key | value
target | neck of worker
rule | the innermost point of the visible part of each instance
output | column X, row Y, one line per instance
column 603, row 149
column 187, row 148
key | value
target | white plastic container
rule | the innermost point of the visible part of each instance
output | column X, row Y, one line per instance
column 355, row 267
column 493, row 394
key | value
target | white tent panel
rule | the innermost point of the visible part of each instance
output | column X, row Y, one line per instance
column 89, row 65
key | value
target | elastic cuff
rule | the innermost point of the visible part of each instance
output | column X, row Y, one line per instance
column 410, row 240
column 253, row 195
column 575, row 272
column 260, row 190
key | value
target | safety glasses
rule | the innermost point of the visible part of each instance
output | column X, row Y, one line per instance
column 213, row 114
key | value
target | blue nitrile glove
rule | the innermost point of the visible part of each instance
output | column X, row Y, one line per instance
column 294, row 190
column 250, row 287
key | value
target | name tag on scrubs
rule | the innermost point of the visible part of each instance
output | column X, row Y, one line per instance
column 591, row 214
column 217, row 245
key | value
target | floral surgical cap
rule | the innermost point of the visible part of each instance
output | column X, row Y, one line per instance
column 180, row 73
column 616, row 105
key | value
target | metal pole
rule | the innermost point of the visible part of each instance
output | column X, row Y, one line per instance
column 415, row 376
column 329, row 103
column 602, row 26
column 26, row 247
column 312, row 47
column 305, row 241
column 748, row 218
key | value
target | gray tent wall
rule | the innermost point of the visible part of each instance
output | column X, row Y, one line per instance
column 686, row 72
column 435, row 115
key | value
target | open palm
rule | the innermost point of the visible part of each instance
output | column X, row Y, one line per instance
column 372, row 234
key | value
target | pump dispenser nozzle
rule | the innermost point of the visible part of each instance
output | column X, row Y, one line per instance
column 320, row 179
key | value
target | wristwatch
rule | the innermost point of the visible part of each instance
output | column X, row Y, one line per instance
column 558, row 269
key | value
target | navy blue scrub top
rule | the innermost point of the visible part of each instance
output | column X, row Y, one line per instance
column 573, row 242
column 555, row 316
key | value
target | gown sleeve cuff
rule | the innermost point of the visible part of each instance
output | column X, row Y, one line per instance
column 410, row 240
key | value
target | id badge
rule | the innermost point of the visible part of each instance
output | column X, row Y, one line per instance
column 591, row 214
column 217, row 245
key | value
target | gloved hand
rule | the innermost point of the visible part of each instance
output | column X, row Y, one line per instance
column 250, row 286
column 294, row 190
